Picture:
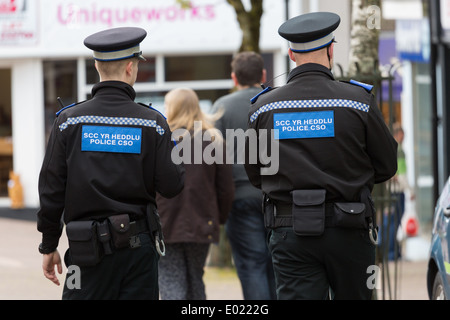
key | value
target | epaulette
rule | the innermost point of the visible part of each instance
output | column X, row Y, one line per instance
column 69, row 106
column 150, row 107
column 366, row 86
column 267, row 89
column 145, row 105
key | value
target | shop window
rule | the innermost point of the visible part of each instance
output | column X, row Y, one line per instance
column 60, row 80
column 91, row 73
column 423, row 142
column 156, row 99
column 268, row 65
column 192, row 68
column 6, row 147
column 210, row 67
column 5, row 103
column 147, row 71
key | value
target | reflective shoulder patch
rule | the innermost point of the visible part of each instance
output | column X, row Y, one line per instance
column 253, row 100
column 111, row 139
column 366, row 86
column 302, row 125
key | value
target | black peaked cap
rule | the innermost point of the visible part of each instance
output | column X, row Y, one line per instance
column 309, row 27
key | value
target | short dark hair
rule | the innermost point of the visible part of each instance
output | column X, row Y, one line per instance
column 248, row 67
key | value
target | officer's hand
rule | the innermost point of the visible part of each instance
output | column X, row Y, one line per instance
column 48, row 266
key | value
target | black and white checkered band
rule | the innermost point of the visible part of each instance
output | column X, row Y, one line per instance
column 293, row 104
column 122, row 121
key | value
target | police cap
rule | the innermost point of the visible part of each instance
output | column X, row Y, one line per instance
column 311, row 31
column 116, row 44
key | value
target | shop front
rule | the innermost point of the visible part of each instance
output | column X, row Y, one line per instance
column 42, row 58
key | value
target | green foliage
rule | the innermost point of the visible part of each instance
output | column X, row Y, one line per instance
column 184, row 4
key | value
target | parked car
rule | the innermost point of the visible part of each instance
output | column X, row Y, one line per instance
column 438, row 274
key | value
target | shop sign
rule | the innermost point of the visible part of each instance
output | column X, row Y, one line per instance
column 18, row 22
column 206, row 25
column 412, row 39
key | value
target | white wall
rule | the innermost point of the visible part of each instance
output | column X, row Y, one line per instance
column 340, row 7
column 342, row 47
column 28, row 125
column 58, row 27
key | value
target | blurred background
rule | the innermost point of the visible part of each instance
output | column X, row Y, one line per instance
column 399, row 46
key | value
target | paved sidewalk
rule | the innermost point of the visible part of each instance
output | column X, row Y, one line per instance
column 21, row 275
column 410, row 283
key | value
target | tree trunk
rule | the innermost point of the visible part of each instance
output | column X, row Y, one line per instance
column 366, row 24
column 249, row 22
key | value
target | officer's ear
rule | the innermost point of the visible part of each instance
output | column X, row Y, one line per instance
column 129, row 67
column 291, row 54
column 331, row 50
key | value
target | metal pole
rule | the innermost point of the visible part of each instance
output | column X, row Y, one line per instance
column 286, row 12
column 434, row 18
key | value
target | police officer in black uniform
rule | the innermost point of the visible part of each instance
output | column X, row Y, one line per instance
column 333, row 147
column 105, row 160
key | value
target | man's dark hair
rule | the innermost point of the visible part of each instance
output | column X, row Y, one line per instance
column 248, row 67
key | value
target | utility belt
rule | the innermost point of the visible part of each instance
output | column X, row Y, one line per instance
column 309, row 214
column 91, row 240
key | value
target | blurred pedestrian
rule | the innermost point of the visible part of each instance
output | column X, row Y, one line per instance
column 399, row 187
column 245, row 225
column 333, row 147
column 191, row 220
column 105, row 160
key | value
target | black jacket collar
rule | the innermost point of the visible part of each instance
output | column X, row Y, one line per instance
column 106, row 86
column 309, row 67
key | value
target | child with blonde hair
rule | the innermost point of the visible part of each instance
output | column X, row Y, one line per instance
column 191, row 221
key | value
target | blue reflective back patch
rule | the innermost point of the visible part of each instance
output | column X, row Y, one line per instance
column 111, row 139
column 301, row 125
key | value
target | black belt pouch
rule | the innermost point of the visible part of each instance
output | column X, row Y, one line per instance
column 84, row 248
column 308, row 212
column 120, row 230
column 350, row 214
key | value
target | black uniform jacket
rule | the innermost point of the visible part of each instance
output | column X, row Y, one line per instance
column 106, row 156
column 331, row 136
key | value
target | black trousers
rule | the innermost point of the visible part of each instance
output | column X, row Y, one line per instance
column 127, row 274
column 307, row 267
